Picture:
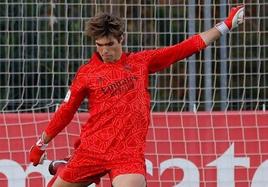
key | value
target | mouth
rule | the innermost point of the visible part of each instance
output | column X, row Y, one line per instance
column 106, row 56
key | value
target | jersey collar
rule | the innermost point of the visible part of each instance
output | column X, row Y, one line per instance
column 96, row 58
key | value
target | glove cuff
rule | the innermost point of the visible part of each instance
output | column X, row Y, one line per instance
column 40, row 143
column 222, row 27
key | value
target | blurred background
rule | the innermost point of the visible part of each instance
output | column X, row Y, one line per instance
column 42, row 44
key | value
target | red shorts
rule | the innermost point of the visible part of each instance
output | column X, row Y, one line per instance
column 83, row 168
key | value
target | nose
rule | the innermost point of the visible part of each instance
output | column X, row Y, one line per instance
column 105, row 50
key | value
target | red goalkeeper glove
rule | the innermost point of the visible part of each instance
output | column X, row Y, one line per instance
column 38, row 152
column 236, row 17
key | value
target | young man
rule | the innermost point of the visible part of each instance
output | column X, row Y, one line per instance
column 113, row 139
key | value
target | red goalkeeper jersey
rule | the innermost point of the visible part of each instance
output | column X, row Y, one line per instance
column 119, row 102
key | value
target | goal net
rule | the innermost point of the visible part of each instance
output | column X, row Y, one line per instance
column 209, row 123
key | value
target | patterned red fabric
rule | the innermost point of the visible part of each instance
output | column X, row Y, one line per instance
column 119, row 104
column 87, row 168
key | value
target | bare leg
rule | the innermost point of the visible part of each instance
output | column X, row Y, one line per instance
column 61, row 183
column 129, row 180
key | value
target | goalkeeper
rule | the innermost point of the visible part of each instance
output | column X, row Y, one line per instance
column 116, row 86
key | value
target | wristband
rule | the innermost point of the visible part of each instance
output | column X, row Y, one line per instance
column 222, row 28
column 40, row 143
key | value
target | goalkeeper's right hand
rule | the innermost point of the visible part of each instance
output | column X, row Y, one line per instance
column 38, row 152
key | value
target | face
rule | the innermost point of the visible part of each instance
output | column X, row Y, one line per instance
column 109, row 48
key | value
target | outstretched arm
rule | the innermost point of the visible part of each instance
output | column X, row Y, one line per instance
column 210, row 35
column 235, row 18
column 162, row 58
column 61, row 118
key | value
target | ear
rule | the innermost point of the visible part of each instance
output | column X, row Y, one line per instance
column 121, row 39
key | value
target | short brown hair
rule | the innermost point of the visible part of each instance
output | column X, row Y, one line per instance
column 104, row 24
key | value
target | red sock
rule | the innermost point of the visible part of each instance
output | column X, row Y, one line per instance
column 51, row 182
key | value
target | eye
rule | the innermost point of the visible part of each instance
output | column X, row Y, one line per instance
column 110, row 43
column 99, row 45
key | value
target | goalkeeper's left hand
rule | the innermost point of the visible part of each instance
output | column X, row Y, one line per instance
column 38, row 152
column 236, row 17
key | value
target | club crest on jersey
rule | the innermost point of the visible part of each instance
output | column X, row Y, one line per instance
column 127, row 67
column 67, row 97
column 100, row 80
